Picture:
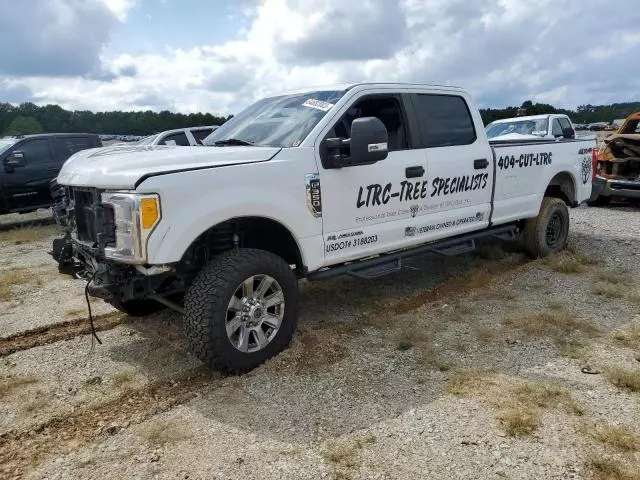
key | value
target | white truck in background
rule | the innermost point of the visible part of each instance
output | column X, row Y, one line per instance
column 339, row 180
column 533, row 127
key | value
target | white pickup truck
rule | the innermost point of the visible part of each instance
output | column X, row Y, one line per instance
column 532, row 127
column 340, row 180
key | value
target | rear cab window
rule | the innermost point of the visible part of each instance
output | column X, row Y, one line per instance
column 201, row 134
column 444, row 120
column 556, row 129
column 176, row 139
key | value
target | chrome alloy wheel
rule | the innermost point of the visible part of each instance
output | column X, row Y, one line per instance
column 255, row 313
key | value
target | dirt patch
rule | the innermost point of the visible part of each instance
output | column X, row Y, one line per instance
column 56, row 332
column 22, row 450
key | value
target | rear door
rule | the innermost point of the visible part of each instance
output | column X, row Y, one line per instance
column 28, row 168
column 461, row 166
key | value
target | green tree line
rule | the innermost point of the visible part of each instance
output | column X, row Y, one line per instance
column 30, row 118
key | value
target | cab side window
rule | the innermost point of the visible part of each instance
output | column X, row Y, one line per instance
column 387, row 109
column 35, row 151
column 444, row 120
column 556, row 129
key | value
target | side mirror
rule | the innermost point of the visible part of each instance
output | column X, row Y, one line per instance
column 368, row 144
column 568, row 133
column 15, row 159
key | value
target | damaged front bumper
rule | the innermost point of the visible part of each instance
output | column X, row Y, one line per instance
column 110, row 281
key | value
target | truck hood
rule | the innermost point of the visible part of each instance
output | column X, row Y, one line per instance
column 122, row 166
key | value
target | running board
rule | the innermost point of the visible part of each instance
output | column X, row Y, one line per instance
column 392, row 262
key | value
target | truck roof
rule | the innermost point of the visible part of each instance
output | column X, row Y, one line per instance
column 349, row 86
column 528, row 117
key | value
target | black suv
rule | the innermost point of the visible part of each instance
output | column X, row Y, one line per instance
column 28, row 163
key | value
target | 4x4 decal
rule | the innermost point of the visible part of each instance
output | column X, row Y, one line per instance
column 314, row 198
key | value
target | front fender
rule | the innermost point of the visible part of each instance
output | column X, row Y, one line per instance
column 193, row 202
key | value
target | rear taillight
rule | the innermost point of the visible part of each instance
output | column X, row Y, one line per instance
column 594, row 163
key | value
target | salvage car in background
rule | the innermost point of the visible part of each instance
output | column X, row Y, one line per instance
column 181, row 136
column 618, row 167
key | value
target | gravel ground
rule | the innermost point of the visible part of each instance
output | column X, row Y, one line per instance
column 43, row 296
column 414, row 375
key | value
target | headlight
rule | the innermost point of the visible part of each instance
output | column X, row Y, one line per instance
column 135, row 216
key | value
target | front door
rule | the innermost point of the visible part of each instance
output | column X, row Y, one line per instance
column 28, row 168
column 366, row 209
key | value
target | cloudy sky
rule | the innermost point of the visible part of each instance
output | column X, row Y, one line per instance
column 219, row 55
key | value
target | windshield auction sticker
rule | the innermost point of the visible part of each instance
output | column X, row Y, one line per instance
column 318, row 104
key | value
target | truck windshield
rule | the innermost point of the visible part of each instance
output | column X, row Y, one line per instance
column 6, row 144
column 538, row 127
column 282, row 121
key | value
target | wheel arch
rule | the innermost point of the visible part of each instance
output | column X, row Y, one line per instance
column 257, row 232
column 563, row 186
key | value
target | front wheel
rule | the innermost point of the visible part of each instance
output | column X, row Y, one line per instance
column 548, row 232
column 241, row 309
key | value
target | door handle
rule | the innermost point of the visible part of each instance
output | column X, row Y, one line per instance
column 480, row 163
column 413, row 172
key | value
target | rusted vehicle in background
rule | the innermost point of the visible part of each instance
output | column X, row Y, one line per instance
column 618, row 167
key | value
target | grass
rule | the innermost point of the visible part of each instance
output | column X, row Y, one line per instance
column 345, row 451
column 625, row 379
column 607, row 290
column 557, row 324
column 614, row 277
column 10, row 383
column 629, row 338
column 520, row 406
column 606, row 469
column 22, row 235
column 555, row 305
column 634, row 298
column 36, row 404
column 13, row 277
column 519, row 421
column 620, row 438
column 545, row 395
column 576, row 351
column 409, row 335
column 468, row 382
column 485, row 334
column 161, row 433
column 120, row 379
column 563, row 263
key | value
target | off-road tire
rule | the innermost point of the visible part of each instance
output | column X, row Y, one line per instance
column 138, row 307
column 534, row 235
column 207, row 299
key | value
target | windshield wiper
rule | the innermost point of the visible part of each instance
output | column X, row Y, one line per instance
column 232, row 141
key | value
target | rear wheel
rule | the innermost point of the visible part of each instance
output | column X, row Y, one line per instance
column 548, row 232
column 241, row 309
